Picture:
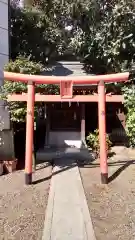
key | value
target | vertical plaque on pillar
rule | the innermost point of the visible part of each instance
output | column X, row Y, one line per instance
column 66, row 89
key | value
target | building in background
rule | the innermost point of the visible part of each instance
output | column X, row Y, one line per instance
column 4, row 33
column 6, row 134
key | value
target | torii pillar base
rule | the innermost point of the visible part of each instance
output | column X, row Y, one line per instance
column 104, row 178
column 28, row 178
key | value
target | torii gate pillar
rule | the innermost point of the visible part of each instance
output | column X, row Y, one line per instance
column 29, row 132
column 102, row 132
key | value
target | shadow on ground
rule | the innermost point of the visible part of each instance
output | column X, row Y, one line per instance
column 72, row 156
column 64, row 158
column 121, row 165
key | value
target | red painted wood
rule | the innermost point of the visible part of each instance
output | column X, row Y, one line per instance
column 102, row 129
column 118, row 77
column 57, row 98
column 29, row 129
column 66, row 89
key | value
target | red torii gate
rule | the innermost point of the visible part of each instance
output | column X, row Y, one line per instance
column 66, row 94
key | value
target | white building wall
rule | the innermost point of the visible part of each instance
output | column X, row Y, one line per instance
column 4, row 37
column 4, row 57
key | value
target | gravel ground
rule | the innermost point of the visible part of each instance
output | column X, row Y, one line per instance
column 22, row 208
column 112, row 207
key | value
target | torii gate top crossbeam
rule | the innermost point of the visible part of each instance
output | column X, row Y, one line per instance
column 38, row 79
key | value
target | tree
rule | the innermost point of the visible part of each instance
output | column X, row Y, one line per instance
column 109, row 41
column 43, row 28
column 101, row 32
column 33, row 34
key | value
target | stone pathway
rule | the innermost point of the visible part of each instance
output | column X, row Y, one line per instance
column 67, row 214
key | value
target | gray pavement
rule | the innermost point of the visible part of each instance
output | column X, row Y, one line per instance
column 53, row 152
column 67, row 215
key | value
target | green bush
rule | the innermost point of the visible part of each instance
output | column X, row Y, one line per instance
column 20, row 65
column 94, row 144
column 25, row 66
column 129, row 102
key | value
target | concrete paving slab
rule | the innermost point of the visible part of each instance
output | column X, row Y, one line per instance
column 67, row 214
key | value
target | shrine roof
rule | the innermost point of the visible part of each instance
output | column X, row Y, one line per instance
column 66, row 68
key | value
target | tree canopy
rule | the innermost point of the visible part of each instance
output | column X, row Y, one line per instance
column 101, row 33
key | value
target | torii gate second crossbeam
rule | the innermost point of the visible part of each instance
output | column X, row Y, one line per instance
column 66, row 94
